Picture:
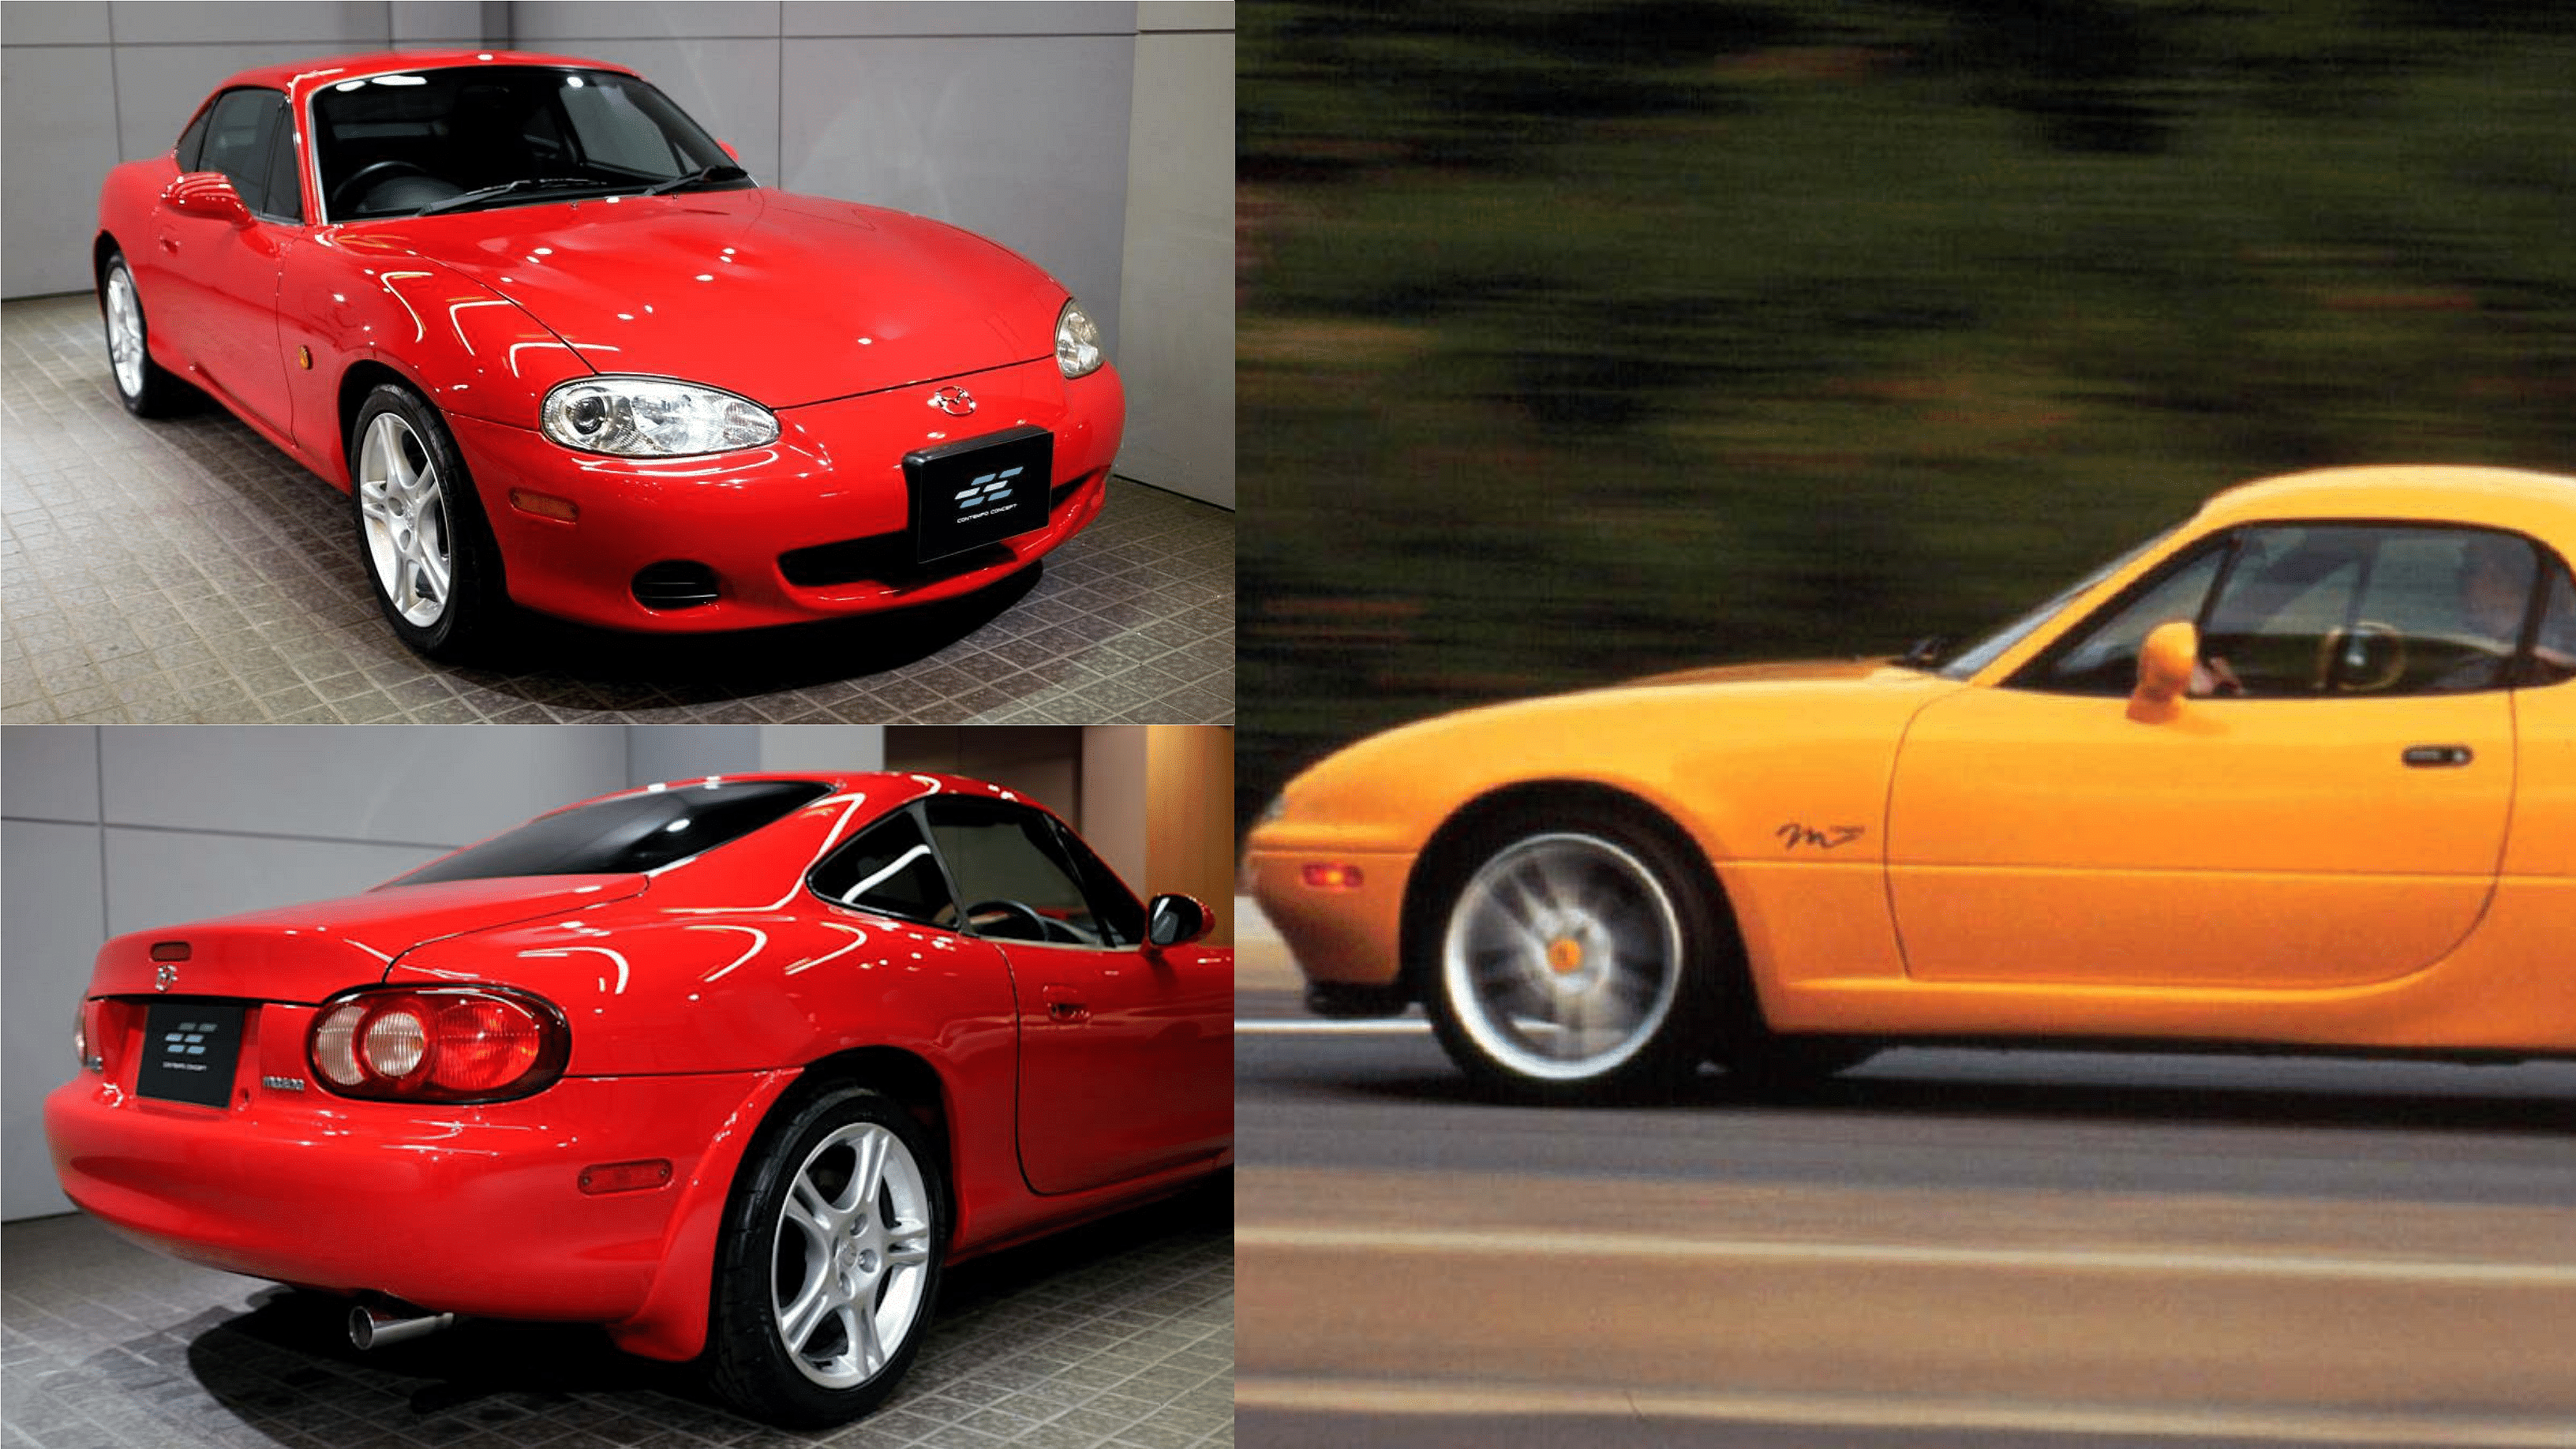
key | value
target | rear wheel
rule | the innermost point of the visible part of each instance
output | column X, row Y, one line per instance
column 829, row 1263
column 1571, row 962
column 147, row 389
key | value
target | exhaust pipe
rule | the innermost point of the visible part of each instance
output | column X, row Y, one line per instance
column 375, row 1328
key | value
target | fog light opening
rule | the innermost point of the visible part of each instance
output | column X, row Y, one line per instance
column 675, row 584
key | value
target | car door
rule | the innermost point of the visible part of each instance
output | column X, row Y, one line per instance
column 2330, row 811
column 212, row 284
column 1126, row 1052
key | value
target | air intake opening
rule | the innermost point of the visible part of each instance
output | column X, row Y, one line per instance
column 675, row 584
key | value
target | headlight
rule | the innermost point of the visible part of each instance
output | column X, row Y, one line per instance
column 1077, row 341
column 652, row 417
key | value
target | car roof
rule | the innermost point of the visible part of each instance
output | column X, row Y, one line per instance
column 300, row 78
column 893, row 786
column 2511, row 498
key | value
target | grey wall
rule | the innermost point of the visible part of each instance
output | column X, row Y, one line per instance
column 1014, row 120
column 104, row 831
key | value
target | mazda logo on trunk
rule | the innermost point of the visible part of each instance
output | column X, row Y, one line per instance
column 957, row 402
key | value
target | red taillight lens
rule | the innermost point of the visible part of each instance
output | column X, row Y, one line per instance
column 438, row 1043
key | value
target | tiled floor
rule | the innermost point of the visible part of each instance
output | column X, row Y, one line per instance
column 186, row 571
column 1120, row 1334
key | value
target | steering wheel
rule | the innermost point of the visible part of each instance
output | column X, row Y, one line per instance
column 1048, row 930
column 371, row 173
column 2358, row 639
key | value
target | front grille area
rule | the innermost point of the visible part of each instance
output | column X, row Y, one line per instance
column 886, row 558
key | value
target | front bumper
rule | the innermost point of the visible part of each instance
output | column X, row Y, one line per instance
column 1341, row 935
column 833, row 481
column 473, row 1210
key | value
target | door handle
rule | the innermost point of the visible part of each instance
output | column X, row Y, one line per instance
column 170, row 244
column 2436, row 757
column 1063, row 1005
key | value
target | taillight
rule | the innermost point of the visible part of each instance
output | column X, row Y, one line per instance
column 438, row 1043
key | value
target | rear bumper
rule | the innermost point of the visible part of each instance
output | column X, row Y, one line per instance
column 834, row 477
column 462, row 1209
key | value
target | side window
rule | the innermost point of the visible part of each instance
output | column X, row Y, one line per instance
column 238, row 132
column 1017, row 883
column 193, row 140
column 889, row 869
column 285, row 173
column 2103, row 657
column 612, row 132
column 2350, row 609
column 2553, row 656
column 1121, row 915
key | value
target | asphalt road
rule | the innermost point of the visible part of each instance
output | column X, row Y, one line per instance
column 1949, row 1248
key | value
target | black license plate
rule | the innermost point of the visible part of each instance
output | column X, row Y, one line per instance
column 189, row 1048
column 980, row 491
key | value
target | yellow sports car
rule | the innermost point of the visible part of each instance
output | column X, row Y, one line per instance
column 2299, row 773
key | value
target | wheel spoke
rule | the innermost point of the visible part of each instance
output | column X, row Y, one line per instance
column 860, row 1320
column 797, row 1322
column 867, row 1172
column 907, row 1244
column 807, row 1209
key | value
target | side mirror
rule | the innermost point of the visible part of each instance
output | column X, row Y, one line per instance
column 208, row 194
column 2165, row 665
column 730, row 151
column 1176, row 921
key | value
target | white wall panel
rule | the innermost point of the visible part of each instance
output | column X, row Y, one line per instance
column 541, row 24
column 356, row 782
column 822, row 747
column 930, row 17
column 53, row 22
column 418, row 21
column 49, row 929
column 656, row 753
column 170, row 877
column 1022, row 140
column 58, row 113
column 49, row 773
column 327, row 25
column 1177, row 300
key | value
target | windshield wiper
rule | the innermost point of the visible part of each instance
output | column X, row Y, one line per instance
column 492, row 193
column 717, row 172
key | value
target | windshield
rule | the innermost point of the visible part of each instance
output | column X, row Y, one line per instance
column 395, row 145
column 628, row 833
column 1987, row 650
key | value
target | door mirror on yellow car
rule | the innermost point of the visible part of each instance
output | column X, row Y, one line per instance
column 1176, row 921
column 2165, row 663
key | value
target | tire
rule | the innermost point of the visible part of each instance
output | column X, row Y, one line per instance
column 1574, row 958
column 800, row 1253
column 422, row 537
column 147, row 389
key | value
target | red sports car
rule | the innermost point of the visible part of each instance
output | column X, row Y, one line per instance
column 731, row 1066
column 562, row 351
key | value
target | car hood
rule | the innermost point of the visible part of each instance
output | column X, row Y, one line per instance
column 1788, row 671
column 782, row 298
column 307, row 952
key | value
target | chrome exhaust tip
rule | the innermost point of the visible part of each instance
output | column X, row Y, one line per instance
column 375, row 1328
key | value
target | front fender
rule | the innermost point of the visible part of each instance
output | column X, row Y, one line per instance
column 355, row 300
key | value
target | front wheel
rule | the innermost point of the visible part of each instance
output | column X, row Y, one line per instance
column 829, row 1264
column 429, row 554
column 1571, row 963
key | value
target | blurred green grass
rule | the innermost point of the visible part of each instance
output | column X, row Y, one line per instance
column 1577, row 341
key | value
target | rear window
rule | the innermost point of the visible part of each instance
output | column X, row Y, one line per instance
column 629, row 833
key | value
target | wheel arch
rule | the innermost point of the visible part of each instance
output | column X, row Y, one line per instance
column 363, row 376
column 105, row 245
column 906, row 1076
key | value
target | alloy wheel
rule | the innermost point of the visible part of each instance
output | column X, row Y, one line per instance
column 411, row 539
column 852, row 1260
column 1563, row 957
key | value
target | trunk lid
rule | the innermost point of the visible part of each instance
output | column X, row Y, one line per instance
column 304, row 953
